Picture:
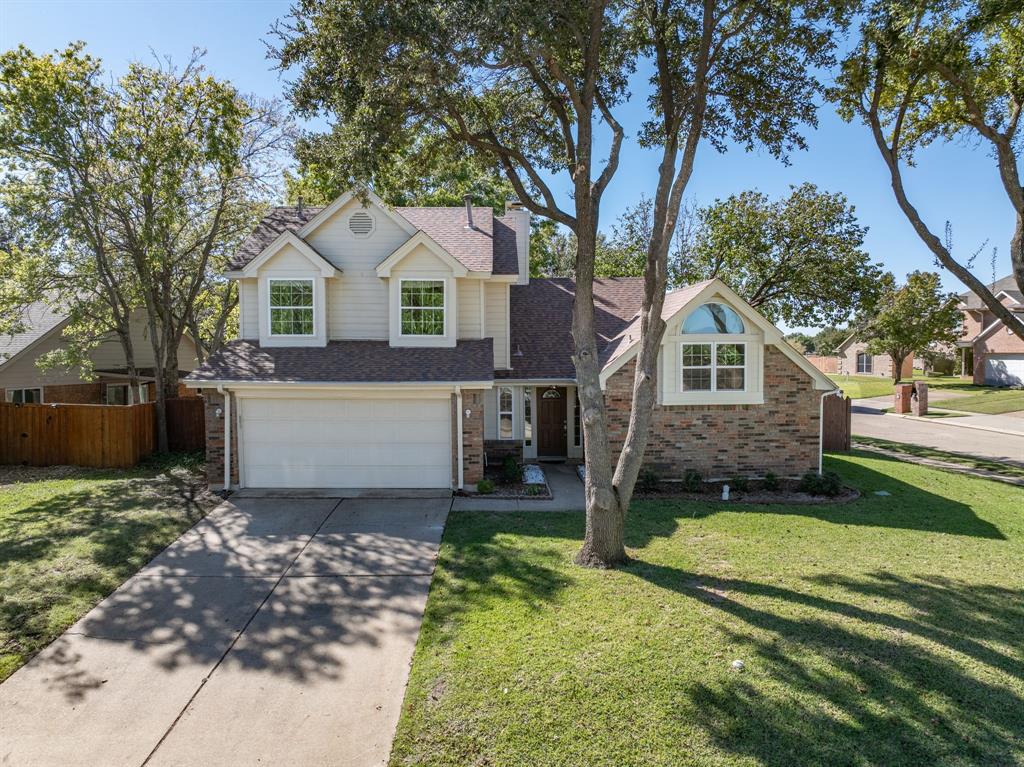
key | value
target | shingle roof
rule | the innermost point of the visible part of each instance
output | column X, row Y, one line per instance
column 1008, row 283
column 489, row 246
column 38, row 320
column 276, row 221
column 349, row 362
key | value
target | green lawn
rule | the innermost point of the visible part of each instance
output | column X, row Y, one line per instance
column 919, row 451
column 67, row 542
column 979, row 399
column 990, row 401
column 882, row 632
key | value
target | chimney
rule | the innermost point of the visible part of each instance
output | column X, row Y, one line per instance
column 521, row 224
column 469, row 211
column 513, row 204
column 300, row 204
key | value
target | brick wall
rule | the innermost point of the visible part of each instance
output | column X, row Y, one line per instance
column 215, row 439
column 499, row 449
column 780, row 436
column 473, row 436
column 996, row 342
column 75, row 394
column 881, row 364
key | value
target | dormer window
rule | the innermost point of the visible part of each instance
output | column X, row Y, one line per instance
column 422, row 307
column 713, row 318
column 713, row 366
column 291, row 307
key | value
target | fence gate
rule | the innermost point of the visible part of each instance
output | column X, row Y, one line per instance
column 836, row 424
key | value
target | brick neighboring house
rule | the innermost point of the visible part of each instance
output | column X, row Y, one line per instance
column 409, row 347
column 855, row 360
column 22, row 381
column 990, row 354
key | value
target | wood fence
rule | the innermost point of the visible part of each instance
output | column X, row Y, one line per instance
column 825, row 363
column 101, row 436
column 836, row 423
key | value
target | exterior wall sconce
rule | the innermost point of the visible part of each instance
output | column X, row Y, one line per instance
column 218, row 413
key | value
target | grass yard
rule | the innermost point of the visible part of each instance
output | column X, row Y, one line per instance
column 989, row 401
column 978, row 399
column 882, row 632
column 919, row 451
column 69, row 537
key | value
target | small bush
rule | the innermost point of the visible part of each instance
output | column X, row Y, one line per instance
column 821, row 484
column 648, row 481
column 693, row 481
column 739, row 484
column 511, row 471
column 771, row 481
column 485, row 486
column 534, row 489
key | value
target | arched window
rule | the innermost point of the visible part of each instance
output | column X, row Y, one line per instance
column 713, row 318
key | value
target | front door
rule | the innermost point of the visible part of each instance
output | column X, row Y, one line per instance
column 551, row 427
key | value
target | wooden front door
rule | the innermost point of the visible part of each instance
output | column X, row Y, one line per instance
column 551, row 426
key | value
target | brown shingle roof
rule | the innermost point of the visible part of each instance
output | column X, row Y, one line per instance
column 1007, row 283
column 37, row 319
column 349, row 362
column 277, row 221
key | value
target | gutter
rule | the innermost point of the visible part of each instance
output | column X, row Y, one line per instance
column 227, row 436
column 458, row 435
column 821, row 426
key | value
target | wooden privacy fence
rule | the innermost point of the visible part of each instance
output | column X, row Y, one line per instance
column 103, row 436
column 836, row 420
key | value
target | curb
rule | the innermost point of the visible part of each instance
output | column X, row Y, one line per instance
column 952, row 422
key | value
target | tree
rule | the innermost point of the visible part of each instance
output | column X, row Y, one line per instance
column 534, row 88
column 912, row 319
column 827, row 340
column 925, row 71
column 134, row 191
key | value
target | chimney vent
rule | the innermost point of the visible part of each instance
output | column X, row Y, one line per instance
column 514, row 204
column 469, row 211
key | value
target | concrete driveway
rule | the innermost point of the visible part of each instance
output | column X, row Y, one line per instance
column 274, row 632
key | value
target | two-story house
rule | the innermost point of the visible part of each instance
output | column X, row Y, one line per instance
column 990, row 353
column 405, row 347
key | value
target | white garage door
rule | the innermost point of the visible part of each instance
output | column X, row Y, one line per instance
column 346, row 442
column 1004, row 370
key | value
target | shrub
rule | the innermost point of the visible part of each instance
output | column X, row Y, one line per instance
column 693, row 481
column 821, row 484
column 485, row 486
column 771, row 481
column 534, row 489
column 739, row 484
column 648, row 481
column 511, row 471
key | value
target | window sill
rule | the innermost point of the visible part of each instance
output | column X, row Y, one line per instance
column 712, row 398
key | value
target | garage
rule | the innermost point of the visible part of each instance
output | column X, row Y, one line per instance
column 1004, row 370
column 356, row 442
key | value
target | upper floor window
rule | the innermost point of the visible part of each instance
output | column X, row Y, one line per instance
column 713, row 318
column 714, row 367
column 422, row 307
column 291, row 307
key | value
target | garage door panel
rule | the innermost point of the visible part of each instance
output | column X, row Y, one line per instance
column 346, row 442
column 1004, row 370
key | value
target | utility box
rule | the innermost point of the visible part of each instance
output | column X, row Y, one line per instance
column 919, row 399
column 904, row 393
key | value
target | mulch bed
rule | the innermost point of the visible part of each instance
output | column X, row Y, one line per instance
column 787, row 493
column 514, row 489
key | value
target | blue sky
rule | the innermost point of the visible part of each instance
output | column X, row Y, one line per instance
column 955, row 183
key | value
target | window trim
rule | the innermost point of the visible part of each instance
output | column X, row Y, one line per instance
column 443, row 307
column 713, row 367
column 9, row 394
column 870, row 367
column 270, row 307
column 527, row 416
column 511, row 412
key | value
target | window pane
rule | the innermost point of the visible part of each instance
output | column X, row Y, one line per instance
column 291, row 293
column 423, row 322
column 505, row 426
column 422, row 293
column 729, row 379
column 713, row 318
column 291, row 322
column 527, row 417
column 422, row 305
column 506, row 399
column 696, row 354
column 697, row 379
column 731, row 354
column 576, row 424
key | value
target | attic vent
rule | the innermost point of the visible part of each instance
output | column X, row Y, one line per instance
column 360, row 223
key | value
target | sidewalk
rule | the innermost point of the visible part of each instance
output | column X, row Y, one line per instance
column 566, row 495
column 1002, row 424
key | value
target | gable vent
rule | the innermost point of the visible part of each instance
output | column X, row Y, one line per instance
column 360, row 223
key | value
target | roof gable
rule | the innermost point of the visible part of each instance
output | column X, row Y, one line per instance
column 40, row 321
column 326, row 214
column 417, row 241
column 285, row 240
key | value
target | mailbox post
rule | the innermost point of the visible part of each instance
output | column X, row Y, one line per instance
column 904, row 392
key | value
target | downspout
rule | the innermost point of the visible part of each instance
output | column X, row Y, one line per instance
column 821, row 426
column 458, row 434
column 227, row 436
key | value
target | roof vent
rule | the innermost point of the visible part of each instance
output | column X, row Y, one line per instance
column 360, row 223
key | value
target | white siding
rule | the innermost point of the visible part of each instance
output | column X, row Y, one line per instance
column 469, row 308
column 357, row 298
column 248, row 309
column 496, row 311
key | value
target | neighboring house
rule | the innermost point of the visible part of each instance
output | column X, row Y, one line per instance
column 22, row 381
column 855, row 360
column 990, row 353
column 406, row 347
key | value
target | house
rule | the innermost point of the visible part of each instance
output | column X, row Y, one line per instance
column 407, row 347
column 22, row 381
column 856, row 360
column 990, row 353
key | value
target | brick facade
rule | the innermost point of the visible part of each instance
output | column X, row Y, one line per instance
column 472, row 437
column 722, row 441
column 215, row 439
column 75, row 394
column 999, row 341
column 881, row 364
column 499, row 449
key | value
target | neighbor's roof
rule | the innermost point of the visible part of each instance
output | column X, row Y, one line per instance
column 1007, row 284
column 38, row 320
column 348, row 362
column 490, row 246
